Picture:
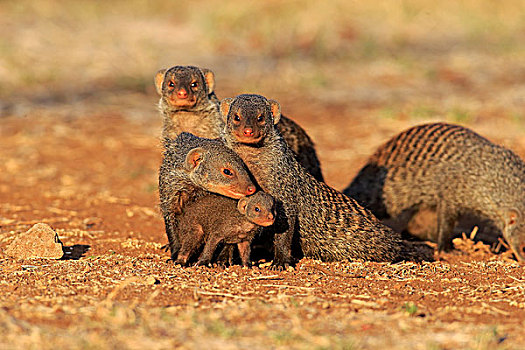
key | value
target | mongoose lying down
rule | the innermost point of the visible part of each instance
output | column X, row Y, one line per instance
column 188, row 104
column 192, row 167
column 213, row 219
column 330, row 225
column 448, row 168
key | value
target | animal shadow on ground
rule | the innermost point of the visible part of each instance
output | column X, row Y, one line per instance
column 75, row 252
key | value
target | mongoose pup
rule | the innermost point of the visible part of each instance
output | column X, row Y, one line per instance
column 449, row 168
column 330, row 226
column 192, row 166
column 188, row 104
column 214, row 219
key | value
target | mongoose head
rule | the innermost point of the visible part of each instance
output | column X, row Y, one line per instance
column 514, row 232
column 219, row 171
column 184, row 87
column 249, row 118
column 258, row 208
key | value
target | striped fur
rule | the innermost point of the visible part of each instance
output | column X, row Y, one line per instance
column 449, row 168
column 330, row 225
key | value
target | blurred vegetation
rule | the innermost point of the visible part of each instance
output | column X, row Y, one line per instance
column 381, row 52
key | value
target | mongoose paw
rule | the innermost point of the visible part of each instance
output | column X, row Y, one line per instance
column 224, row 259
column 278, row 265
column 204, row 262
column 177, row 261
column 174, row 262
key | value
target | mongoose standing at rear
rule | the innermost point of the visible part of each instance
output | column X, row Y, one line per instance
column 213, row 219
column 188, row 104
column 191, row 168
column 330, row 225
column 448, row 168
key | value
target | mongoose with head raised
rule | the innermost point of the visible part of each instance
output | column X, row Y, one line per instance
column 214, row 219
column 448, row 168
column 192, row 167
column 330, row 225
column 188, row 104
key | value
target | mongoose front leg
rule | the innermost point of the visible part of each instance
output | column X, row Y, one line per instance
column 283, row 245
column 445, row 224
column 191, row 239
column 170, row 222
column 209, row 249
column 173, row 239
column 225, row 257
column 244, row 252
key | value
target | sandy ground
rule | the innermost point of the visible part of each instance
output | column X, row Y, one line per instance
column 80, row 151
column 93, row 179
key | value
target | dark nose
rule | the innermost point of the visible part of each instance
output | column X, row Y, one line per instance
column 250, row 190
column 248, row 132
column 182, row 94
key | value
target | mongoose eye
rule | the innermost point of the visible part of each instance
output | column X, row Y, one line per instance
column 237, row 118
column 260, row 118
column 194, row 84
column 171, row 84
column 227, row 172
column 257, row 209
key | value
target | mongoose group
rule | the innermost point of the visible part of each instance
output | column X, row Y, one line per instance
column 240, row 147
column 191, row 168
column 188, row 104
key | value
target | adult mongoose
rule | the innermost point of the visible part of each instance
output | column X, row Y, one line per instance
column 330, row 226
column 192, row 167
column 213, row 219
column 188, row 104
column 448, row 168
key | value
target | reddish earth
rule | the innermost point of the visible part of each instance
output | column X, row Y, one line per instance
column 93, row 178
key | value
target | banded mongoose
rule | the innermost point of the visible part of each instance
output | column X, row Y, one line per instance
column 330, row 226
column 192, row 167
column 188, row 104
column 213, row 219
column 448, row 168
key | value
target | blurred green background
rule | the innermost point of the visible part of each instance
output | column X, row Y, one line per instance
column 459, row 59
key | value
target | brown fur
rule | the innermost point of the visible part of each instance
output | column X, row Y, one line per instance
column 202, row 118
column 192, row 167
column 214, row 219
column 448, row 168
column 329, row 225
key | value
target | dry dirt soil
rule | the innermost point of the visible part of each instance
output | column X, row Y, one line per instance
column 92, row 177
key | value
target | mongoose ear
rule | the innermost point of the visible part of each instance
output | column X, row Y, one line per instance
column 194, row 158
column 276, row 110
column 159, row 79
column 512, row 216
column 242, row 204
column 225, row 108
column 210, row 79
